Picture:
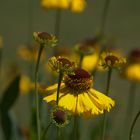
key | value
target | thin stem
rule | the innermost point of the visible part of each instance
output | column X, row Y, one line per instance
column 58, row 88
column 75, row 129
column 130, row 107
column 131, row 100
column 107, row 92
column 108, row 81
column 58, row 133
column 81, row 60
column 104, row 15
column 45, row 131
column 36, row 92
column 133, row 125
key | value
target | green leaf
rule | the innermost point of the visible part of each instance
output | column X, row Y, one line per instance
column 6, row 124
column 10, row 95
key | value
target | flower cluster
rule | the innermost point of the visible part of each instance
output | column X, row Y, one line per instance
column 73, row 5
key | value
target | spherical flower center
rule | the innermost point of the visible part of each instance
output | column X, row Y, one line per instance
column 59, row 116
column 111, row 59
column 81, row 81
column 44, row 35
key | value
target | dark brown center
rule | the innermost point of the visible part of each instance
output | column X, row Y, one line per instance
column 44, row 35
column 64, row 61
column 80, row 82
column 112, row 59
column 59, row 116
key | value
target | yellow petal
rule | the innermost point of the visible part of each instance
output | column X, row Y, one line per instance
column 102, row 101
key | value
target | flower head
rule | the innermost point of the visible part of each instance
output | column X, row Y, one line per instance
column 59, row 117
column 77, row 5
column 90, row 49
column 112, row 59
column 77, row 95
column 61, row 64
column 44, row 38
column 55, row 4
column 74, row 5
column 131, row 70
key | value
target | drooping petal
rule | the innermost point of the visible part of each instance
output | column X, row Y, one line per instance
column 100, row 100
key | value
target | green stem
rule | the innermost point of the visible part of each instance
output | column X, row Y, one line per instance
column 108, row 81
column 45, row 131
column 58, row 133
column 133, row 125
column 36, row 92
column 75, row 129
column 58, row 88
column 107, row 92
column 104, row 16
column 131, row 100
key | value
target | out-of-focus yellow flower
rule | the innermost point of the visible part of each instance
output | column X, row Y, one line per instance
column 30, row 53
column 112, row 59
column 54, row 4
column 131, row 70
column 25, row 84
column 77, row 5
column 1, row 42
column 74, row 5
column 90, row 50
column 77, row 95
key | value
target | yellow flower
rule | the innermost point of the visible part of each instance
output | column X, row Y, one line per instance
column 90, row 50
column 25, row 84
column 77, row 95
column 111, row 59
column 30, row 53
column 77, row 5
column 54, row 4
column 132, row 72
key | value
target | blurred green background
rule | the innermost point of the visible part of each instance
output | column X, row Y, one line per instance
column 18, row 19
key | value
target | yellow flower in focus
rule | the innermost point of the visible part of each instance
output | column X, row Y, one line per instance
column 111, row 59
column 77, row 5
column 54, row 4
column 25, row 84
column 132, row 72
column 77, row 95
